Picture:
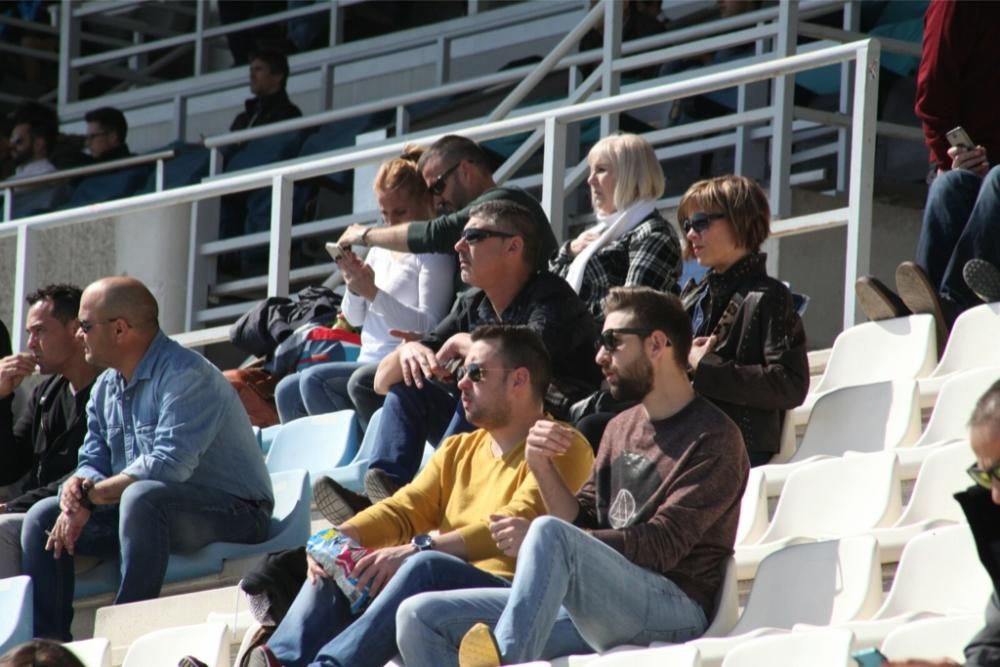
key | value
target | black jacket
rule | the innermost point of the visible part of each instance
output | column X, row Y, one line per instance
column 37, row 447
column 759, row 366
column 984, row 521
column 265, row 109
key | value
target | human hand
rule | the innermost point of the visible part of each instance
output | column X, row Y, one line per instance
column 66, row 531
column 546, row 440
column 970, row 159
column 314, row 571
column 379, row 566
column 352, row 236
column 700, row 346
column 359, row 278
column 73, row 490
column 508, row 532
column 580, row 243
column 13, row 370
column 456, row 347
column 419, row 363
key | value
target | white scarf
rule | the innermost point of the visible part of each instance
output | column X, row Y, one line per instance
column 612, row 228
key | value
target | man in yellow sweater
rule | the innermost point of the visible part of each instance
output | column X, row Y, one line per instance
column 450, row 527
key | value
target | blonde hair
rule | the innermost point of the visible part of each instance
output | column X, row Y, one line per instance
column 402, row 173
column 638, row 174
column 740, row 199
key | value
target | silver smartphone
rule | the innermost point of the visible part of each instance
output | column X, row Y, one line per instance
column 335, row 250
column 959, row 138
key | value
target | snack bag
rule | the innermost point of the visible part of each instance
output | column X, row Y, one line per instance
column 338, row 554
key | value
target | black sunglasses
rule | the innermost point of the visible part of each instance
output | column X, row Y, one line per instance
column 86, row 325
column 984, row 478
column 473, row 235
column 609, row 337
column 476, row 372
column 437, row 187
column 700, row 221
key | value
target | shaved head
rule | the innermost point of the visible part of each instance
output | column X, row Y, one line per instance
column 127, row 298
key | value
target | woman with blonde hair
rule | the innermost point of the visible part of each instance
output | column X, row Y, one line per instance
column 631, row 244
column 387, row 291
column 749, row 351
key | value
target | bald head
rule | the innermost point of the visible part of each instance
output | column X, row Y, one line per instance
column 126, row 298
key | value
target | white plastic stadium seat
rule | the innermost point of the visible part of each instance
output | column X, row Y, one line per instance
column 823, row 648
column 753, row 509
column 681, row 655
column 971, row 344
column 92, row 652
column 933, row 638
column 208, row 642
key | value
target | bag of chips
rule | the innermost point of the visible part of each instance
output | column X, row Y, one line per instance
column 338, row 555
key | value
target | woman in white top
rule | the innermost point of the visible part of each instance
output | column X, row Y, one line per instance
column 386, row 292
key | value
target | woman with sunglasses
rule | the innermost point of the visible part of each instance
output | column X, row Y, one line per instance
column 749, row 351
column 387, row 291
column 631, row 245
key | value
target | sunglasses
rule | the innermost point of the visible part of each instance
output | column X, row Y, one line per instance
column 609, row 337
column 473, row 235
column 476, row 372
column 437, row 187
column 86, row 326
column 984, row 478
column 700, row 221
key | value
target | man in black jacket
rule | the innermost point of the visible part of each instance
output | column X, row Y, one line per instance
column 42, row 444
column 270, row 103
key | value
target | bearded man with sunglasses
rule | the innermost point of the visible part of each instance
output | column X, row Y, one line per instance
column 636, row 556
column 451, row 527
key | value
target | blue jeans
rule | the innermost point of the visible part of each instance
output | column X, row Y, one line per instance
column 564, row 576
column 319, row 628
column 317, row 390
column 959, row 224
column 361, row 389
column 411, row 417
column 151, row 520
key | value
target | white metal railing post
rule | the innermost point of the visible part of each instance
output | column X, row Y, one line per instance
column 444, row 60
column 852, row 22
column 859, row 220
column 159, row 175
column 402, row 120
column 24, row 282
column 326, row 73
column 69, row 48
column 8, row 204
column 782, row 102
column 336, row 24
column 553, row 175
column 282, row 190
column 610, row 77
column 180, row 118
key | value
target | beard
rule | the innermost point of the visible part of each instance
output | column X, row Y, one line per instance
column 493, row 415
column 634, row 381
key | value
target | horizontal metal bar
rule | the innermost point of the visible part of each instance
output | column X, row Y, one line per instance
column 88, row 170
column 244, row 285
column 302, row 230
column 203, row 337
column 30, row 52
column 835, row 119
column 33, row 26
column 837, row 35
column 122, row 54
column 809, row 223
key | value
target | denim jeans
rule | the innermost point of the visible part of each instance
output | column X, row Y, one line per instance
column 319, row 628
column 564, row 576
column 959, row 224
column 152, row 520
column 317, row 390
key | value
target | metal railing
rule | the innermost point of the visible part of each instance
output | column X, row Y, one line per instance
column 553, row 123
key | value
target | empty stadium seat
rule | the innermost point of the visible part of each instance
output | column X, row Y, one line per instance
column 682, row 655
column 933, row 638
column 315, row 443
column 828, row 499
column 753, row 509
column 208, row 642
column 92, row 652
column 352, row 475
column 110, row 185
column 971, row 344
column 16, row 612
column 824, row 648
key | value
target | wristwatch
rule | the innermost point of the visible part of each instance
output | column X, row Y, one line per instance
column 423, row 542
column 85, row 502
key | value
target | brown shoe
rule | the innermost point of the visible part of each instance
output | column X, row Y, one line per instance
column 378, row 485
column 877, row 301
column 336, row 503
column 920, row 296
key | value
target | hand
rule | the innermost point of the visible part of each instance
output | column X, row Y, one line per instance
column 379, row 566
column 360, row 279
column 66, row 531
column 13, row 370
column 508, row 532
column 419, row 363
column 970, row 159
column 352, row 236
column 73, row 490
column 314, row 571
column 456, row 347
column 546, row 440
column 580, row 243
column 700, row 346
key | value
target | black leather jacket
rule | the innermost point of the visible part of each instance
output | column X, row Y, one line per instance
column 984, row 521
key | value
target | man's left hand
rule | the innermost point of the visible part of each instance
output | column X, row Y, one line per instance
column 66, row 531
column 380, row 566
column 508, row 532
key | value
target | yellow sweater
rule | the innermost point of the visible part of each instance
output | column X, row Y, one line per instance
column 462, row 485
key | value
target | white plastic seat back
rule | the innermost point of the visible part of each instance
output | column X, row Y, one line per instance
column 933, row 638
column 727, row 602
column 972, row 341
column 836, row 497
column 950, row 418
column 864, row 418
column 679, row 655
column 901, row 348
column 823, row 648
column 753, row 509
column 818, row 583
column 942, row 475
column 92, row 652
column 939, row 572
column 208, row 642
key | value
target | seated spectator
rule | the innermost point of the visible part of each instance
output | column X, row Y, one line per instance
column 388, row 291
column 169, row 462
column 636, row 556
column 40, row 653
column 106, row 132
column 437, row 533
column 631, row 244
column 270, row 103
column 749, row 351
column 496, row 254
column 43, row 444
column 32, row 140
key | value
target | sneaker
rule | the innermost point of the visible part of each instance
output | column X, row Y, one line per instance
column 378, row 485
column 261, row 657
column 190, row 661
column 336, row 503
column 982, row 278
column 479, row 648
column 877, row 301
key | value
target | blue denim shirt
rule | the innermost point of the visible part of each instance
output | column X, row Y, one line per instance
column 178, row 420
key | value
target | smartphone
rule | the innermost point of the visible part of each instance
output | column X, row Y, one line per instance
column 959, row 138
column 871, row 657
column 335, row 250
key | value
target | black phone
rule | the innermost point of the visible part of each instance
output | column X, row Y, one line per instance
column 959, row 138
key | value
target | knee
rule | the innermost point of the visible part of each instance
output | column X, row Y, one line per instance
column 140, row 498
column 424, row 566
column 415, row 616
column 549, row 531
column 992, row 180
column 287, row 387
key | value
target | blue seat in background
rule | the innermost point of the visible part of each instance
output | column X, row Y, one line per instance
column 108, row 186
column 188, row 166
column 352, row 475
column 265, row 436
column 289, row 529
column 16, row 612
column 315, row 443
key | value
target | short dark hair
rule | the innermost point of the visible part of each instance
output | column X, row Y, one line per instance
column 513, row 218
column 110, row 119
column 520, row 347
column 42, row 122
column 65, row 300
column 274, row 59
column 654, row 310
column 455, row 147
column 740, row 199
column 987, row 410
column 40, row 653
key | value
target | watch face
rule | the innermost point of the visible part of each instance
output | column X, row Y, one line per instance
column 422, row 541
